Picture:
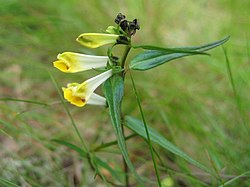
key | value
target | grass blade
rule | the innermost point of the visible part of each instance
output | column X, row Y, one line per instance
column 146, row 130
column 23, row 100
column 68, row 113
column 236, row 95
column 71, row 146
column 8, row 183
column 246, row 174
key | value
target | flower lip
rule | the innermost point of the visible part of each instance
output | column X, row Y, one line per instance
column 61, row 65
column 69, row 95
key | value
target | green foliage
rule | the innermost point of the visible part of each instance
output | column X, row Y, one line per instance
column 114, row 88
column 155, row 56
column 5, row 182
column 245, row 174
column 189, row 103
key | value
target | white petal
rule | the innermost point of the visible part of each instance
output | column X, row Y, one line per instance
column 96, row 81
column 96, row 99
column 90, row 62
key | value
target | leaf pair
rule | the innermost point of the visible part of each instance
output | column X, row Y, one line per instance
column 155, row 56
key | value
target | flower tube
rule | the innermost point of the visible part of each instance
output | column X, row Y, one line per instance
column 94, row 40
column 82, row 94
column 70, row 62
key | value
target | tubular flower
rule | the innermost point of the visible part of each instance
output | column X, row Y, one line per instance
column 82, row 94
column 94, row 40
column 70, row 62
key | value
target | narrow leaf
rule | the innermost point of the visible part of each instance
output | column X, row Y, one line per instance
column 113, row 89
column 169, row 50
column 23, row 100
column 155, row 56
column 138, row 127
column 71, row 146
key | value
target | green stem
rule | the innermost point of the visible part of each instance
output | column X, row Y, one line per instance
column 111, row 143
column 125, row 54
column 125, row 164
column 146, row 129
column 123, row 60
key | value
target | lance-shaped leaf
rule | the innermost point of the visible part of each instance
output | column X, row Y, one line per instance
column 71, row 146
column 155, row 56
column 138, row 127
column 113, row 89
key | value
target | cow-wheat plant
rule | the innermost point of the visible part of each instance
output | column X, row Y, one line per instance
column 113, row 69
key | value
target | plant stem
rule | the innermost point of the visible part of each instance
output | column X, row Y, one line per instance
column 146, row 129
column 123, row 60
column 125, row 164
column 111, row 143
column 125, row 54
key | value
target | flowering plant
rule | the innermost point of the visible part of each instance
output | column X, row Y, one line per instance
column 114, row 71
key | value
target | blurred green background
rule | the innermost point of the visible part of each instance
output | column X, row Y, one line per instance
column 191, row 100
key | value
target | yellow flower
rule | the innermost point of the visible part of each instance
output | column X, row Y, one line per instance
column 94, row 40
column 82, row 94
column 70, row 62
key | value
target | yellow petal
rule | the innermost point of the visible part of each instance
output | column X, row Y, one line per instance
column 75, row 100
column 80, row 94
column 94, row 40
column 61, row 65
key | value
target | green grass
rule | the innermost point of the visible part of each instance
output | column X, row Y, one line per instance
column 196, row 102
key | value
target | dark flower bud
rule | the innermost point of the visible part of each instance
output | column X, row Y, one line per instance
column 137, row 24
column 133, row 26
column 119, row 18
column 124, row 25
column 128, row 27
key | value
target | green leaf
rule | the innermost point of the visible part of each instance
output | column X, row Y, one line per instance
column 138, row 127
column 155, row 56
column 169, row 50
column 71, row 146
column 113, row 89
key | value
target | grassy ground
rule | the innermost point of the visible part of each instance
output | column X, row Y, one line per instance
column 192, row 100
